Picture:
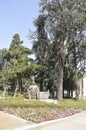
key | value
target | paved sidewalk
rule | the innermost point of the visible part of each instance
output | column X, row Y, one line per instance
column 75, row 122
column 10, row 122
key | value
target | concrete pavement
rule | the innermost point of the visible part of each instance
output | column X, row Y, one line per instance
column 75, row 122
column 11, row 122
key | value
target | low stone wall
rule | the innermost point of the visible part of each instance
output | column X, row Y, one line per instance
column 44, row 95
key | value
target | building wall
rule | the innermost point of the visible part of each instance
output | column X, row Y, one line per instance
column 84, row 87
column 80, row 84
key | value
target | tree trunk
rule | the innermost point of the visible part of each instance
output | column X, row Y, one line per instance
column 68, row 93
column 41, row 84
column 71, row 93
column 16, row 88
column 60, row 75
column 4, row 93
column 20, row 86
column 76, row 83
column 60, row 86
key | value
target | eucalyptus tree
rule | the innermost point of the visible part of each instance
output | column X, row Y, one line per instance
column 82, row 52
column 65, row 22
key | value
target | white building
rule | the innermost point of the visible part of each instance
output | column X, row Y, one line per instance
column 82, row 87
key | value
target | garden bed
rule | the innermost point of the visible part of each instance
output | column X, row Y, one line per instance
column 40, row 111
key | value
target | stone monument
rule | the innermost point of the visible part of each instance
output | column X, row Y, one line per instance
column 34, row 92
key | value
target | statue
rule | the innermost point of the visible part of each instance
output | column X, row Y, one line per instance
column 33, row 91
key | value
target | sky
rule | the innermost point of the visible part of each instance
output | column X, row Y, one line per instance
column 17, row 16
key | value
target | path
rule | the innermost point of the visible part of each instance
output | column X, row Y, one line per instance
column 75, row 122
column 10, row 122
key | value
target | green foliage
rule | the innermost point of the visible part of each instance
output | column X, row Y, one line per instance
column 27, row 82
column 19, row 101
column 67, row 103
column 16, row 41
column 16, row 62
column 60, row 30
